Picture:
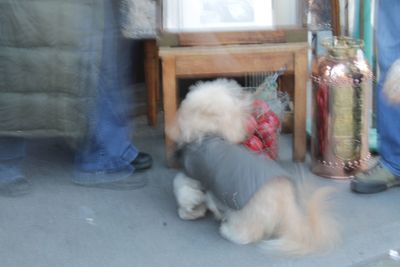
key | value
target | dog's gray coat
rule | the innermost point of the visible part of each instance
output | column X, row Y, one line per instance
column 232, row 172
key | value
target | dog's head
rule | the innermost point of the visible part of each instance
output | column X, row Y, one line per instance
column 218, row 107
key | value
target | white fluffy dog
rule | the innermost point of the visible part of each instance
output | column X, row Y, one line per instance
column 278, row 211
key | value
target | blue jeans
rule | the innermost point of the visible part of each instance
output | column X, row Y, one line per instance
column 107, row 154
column 388, row 124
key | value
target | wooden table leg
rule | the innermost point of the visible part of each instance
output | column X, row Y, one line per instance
column 300, row 104
column 170, row 101
column 151, row 77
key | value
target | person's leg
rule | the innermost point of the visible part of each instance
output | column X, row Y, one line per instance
column 108, row 155
column 12, row 180
column 108, row 158
column 388, row 40
column 385, row 174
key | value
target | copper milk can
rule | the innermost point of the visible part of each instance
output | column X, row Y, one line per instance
column 341, row 83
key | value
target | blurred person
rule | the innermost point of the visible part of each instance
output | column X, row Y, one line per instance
column 61, row 76
column 385, row 173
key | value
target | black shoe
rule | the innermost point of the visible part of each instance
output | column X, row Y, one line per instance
column 18, row 187
column 143, row 161
column 134, row 181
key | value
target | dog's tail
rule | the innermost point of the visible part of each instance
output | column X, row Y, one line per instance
column 307, row 228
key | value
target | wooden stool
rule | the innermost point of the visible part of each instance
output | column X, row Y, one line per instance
column 236, row 60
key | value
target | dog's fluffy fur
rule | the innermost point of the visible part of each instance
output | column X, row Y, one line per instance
column 219, row 107
column 278, row 211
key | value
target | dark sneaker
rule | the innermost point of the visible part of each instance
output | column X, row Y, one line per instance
column 143, row 161
column 18, row 187
column 375, row 180
column 134, row 181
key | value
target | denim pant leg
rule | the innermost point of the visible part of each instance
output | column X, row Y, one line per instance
column 108, row 152
column 12, row 153
column 388, row 123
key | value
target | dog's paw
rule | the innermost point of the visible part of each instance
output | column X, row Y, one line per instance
column 190, row 197
column 188, row 192
column 192, row 214
column 234, row 233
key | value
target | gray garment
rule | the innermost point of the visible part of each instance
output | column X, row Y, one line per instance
column 50, row 60
column 231, row 172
